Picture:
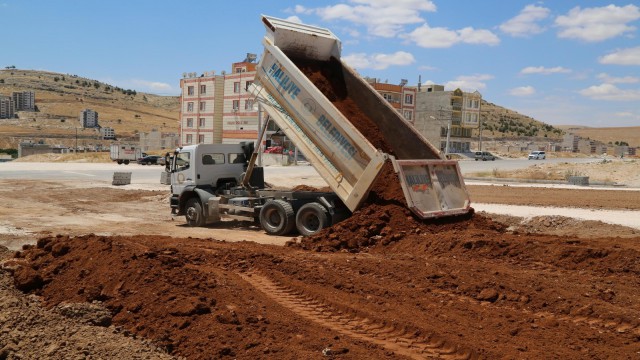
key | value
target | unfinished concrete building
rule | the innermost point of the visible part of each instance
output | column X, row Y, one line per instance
column 448, row 117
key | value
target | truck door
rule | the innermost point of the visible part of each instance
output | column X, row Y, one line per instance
column 183, row 173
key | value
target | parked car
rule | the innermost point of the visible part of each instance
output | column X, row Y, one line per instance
column 149, row 160
column 537, row 155
column 484, row 156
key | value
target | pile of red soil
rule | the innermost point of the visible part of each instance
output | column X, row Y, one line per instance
column 384, row 217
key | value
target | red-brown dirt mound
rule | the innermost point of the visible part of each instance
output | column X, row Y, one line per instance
column 461, row 289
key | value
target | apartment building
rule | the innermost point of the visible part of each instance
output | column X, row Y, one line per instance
column 240, row 116
column 219, row 108
column 88, row 118
column 6, row 107
column 447, row 117
column 200, row 108
column 24, row 100
column 401, row 97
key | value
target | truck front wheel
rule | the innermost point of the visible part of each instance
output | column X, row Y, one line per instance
column 193, row 213
column 277, row 217
column 311, row 218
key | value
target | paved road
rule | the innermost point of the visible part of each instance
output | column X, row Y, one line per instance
column 277, row 175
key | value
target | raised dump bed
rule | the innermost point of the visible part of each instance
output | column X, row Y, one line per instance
column 341, row 154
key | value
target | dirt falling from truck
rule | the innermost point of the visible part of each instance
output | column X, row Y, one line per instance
column 384, row 218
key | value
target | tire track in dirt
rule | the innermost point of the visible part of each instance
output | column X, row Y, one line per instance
column 596, row 323
column 584, row 316
column 401, row 340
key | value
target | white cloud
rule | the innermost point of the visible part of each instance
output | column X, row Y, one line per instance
column 605, row 78
column 522, row 91
column 610, row 92
column 469, row 83
column 439, row 37
column 299, row 9
column 597, row 24
column 543, row 70
column 378, row 61
column 294, row 19
column 381, row 17
column 526, row 23
column 629, row 56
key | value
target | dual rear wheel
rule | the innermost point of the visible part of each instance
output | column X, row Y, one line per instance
column 278, row 218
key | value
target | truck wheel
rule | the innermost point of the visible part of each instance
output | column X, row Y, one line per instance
column 193, row 213
column 119, row 162
column 126, row 162
column 277, row 218
column 311, row 218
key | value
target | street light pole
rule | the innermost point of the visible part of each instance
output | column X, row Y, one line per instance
column 75, row 150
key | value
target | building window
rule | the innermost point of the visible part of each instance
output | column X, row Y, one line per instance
column 201, row 122
column 408, row 99
column 239, row 70
column 189, row 138
column 200, row 139
column 387, row 97
column 190, row 107
column 190, row 90
column 236, row 105
column 203, row 89
column 189, row 122
column 248, row 104
column 236, row 87
column 247, row 85
column 203, row 105
column 407, row 115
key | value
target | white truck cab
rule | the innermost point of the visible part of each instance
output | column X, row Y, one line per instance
column 198, row 172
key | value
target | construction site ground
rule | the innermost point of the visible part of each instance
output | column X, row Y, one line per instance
column 110, row 274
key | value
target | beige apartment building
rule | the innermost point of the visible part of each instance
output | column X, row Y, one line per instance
column 218, row 108
column 452, row 115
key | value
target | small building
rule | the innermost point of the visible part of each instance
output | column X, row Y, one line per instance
column 32, row 148
column 156, row 140
column 88, row 118
column 107, row 133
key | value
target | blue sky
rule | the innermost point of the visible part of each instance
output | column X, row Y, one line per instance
column 561, row 62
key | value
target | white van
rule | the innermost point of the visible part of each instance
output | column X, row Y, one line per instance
column 537, row 155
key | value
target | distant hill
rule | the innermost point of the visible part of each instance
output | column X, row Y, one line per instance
column 499, row 122
column 628, row 134
column 61, row 97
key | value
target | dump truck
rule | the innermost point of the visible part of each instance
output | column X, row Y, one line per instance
column 125, row 153
column 342, row 155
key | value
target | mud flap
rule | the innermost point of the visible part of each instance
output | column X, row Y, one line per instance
column 433, row 188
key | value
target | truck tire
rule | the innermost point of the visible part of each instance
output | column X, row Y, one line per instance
column 126, row 162
column 311, row 218
column 119, row 162
column 277, row 217
column 193, row 213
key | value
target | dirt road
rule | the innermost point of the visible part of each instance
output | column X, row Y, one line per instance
column 467, row 289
